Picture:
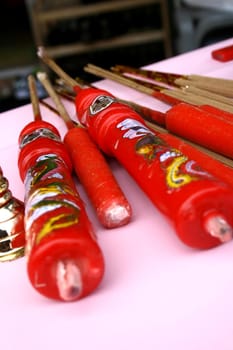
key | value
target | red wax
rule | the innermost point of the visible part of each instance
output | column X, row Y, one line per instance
column 223, row 54
column 227, row 116
column 201, row 127
column 165, row 98
column 153, row 115
column 112, row 207
column 64, row 261
column 175, row 183
column 41, row 145
column 213, row 166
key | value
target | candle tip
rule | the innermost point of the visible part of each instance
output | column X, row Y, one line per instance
column 115, row 214
column 40, row 51
column 41, row 76
column 217, row 226
column 69, row 280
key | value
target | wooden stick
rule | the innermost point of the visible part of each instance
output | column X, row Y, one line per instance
column 48, row 106
column 205, row 93
column 52, row 64
column 197, row 100
column 199, row 88
column 171, row 78
column 103, row 73
column 33, row 97
column 221, row 89
column 64, row 93
column 176, row 94
column 211, row 80
column 48, row 86
column 161, row 77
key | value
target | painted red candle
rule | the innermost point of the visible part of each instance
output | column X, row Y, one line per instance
column 224, row 54
column 199, row 205
column 64, row 261
column 207, row 162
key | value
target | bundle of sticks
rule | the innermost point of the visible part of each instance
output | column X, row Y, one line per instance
column 183, row 112
column 172, row 88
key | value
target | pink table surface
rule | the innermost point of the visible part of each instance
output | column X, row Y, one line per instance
column 156, row 293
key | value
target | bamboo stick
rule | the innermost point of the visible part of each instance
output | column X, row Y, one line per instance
column 52, row 64
column 160, row 77
column 212, row 95
column 219, row 88
column 103, row 73
column 197, row 100
column 171, row 78
column 211, row 80
column 62, row 111
column 176, row 93
column 33, row 97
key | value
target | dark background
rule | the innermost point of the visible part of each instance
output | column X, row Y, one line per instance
column 18, row 52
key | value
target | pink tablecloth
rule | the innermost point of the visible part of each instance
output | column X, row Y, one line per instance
column 156, row 292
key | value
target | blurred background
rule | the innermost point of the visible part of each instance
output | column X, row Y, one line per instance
column 105, row 33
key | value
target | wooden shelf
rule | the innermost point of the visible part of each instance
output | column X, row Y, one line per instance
column 92, row 9
column 41, row 18
column 121, row 41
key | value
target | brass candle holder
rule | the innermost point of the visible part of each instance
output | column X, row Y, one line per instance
column 12, row 236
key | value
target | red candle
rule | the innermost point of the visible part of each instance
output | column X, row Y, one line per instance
column 110, row 203
column 199, row 205
column 64, row 261
column 224, row 54
column 201, row 127
column 227, row 116
column 213, row 166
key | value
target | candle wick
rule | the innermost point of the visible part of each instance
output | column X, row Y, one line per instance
column 69, row 280
column 217, row 226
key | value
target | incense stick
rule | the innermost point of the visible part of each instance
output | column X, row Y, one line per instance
column 52, row 64
column 64, row 93
column 171, row 78
column 48, row 86
column 48, row 106
column 206, row 93
column 103, row 73
column 213, row 88
column 197, row 100
column 33, row 97
column 211, row 80
column 219, row 88
column 176, row 94
column 161, row 77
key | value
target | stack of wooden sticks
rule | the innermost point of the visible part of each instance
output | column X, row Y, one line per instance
column 194, row 89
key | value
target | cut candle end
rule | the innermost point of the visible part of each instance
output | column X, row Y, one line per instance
column 217, row 226
column 41, row 51
column 115, row 215
column 69, row 280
